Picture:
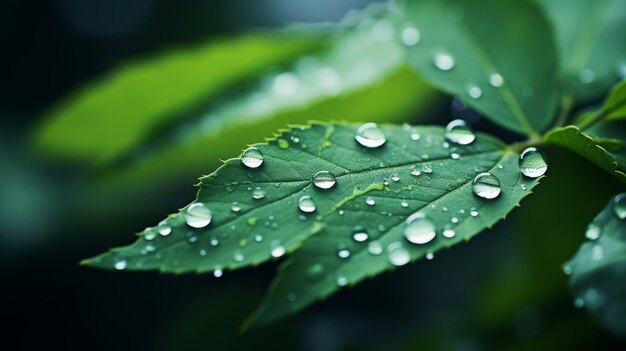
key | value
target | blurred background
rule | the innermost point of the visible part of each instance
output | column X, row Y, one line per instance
column 219, row 75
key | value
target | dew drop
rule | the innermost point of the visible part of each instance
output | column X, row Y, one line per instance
column 410, row 36
column 532, row 163
column 375, row 248
column 474, row 92
column 593, row 232
column 370, row 135
column 415, row 173
column 454, row 220
column 397, row 254
column 120, row 264
column 214, row 242
column 496, row 80
column 198, row 215
column 455, row 156
column 163, row 228
column 415, row 136
column 427, row 169
column 149, row 234
column 235, row 207
column 370, row 201
column 306, row 204
column 586, row 76
column 324, row 180
column 448, row 233
column 473, row 213
column 203, row 252
column 458, row 132
column 277, row 249
column 359, row 234
column 619, row 206
column 258, row 238
column 430, row 256
column 258, row 193
column 419, row 229
column 579, row 303
column 404, row 204
column 283, row 144
column 343, row 252
column 486, row 185
column 444, row 62
column 252, row 157
column 218, row 273
column 238, row 256
column 395, row 177
column 342, row 280
column 567, row 270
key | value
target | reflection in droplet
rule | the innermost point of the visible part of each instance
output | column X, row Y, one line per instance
column 486, row 185
column 198, row 215
column 370, row 135
column 324, row 180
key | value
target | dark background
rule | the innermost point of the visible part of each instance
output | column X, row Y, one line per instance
column 502, row 290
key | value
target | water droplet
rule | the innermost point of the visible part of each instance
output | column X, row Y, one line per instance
column 218, row 273
column 120, row 264
column 532, row 163
column 164, row 228
column 258, row 238
column 593, row 232
column 277, row 249
column 375, row 248
column 619, row 206
column 458, row 132
column 214, row 242
column 473, row 213
column 343, row 251
column 283, row 144
column 427, row 169
column 238, row 256
column 324, row 180
column 198, row 215
column 235, row 207
column 370, row 135
column 252, row 157
column 370, row 201
column 419, row 229
column 430, row 256
column 395, row 177
column 306, row 204
column 444, row 62
column 397, row 254
column 415, row 173
column 448, row 233
column 486, row 185
column 149, row 234
column 359, row 234
column 341, row 212
column 567, row 270
column 496, row 80
column 203, row 252
column 404, row 204
column 455, row 156
column 410, row 36
column 258, row 193
column 342, row 280
column 415, row 136
column 454, row 220
column 586, row 76
column 474, row 92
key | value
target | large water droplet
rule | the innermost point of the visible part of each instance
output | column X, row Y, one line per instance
column 593, row 232
column 370, row 135
column 306, row 204
column 444, row 62
column 359, row 234
column 397, row 254
column 198, row 215
column 532, row 163
column 252, row 157
column 258, row 193
column 458, row 132
column 619, row 206
column 486, row 185
column 410, row 36
column 324, row 180
column 419, row 229
column 496, row 80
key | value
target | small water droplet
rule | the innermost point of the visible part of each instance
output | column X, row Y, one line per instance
column 410, row 36
column 238, row 256
column 258, row 193
column 341, row 212
column 455, row 156
column 586, row 76
column 214, row 242
column 444, row 62
column 120, row 264
column 370, row 135
column 343, row 251
column 619, row 206
column 415, row 173
column 427, row 169
column 164, row 228
column 404, row 204
column 375, row 248
column 419, row 229
column 359, row 234
column 395, row 177
column 370, row 201
column 458, row 132
column 486, row 185
column 306, row 204
column 203, row 252
column 454, row 220
column 567, row 270
column 593, row 232
column 397, row 254
column 218, row 273
column 235, row 207
column 342, row 280
column 252, row 157
column 277, row 249
column 149, row 234
column 474, row 92
column 496, row 80
column 532, row 163
column 283, row 144
column 198, row 215
column 430, row 256
column 473, row 213
column 324, row 180
column 415, row 136
column 448, row 233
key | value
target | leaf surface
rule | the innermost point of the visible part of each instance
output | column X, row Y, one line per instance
column 591, row 148
column 598, row 270
column 481, row 51
column 592, row 49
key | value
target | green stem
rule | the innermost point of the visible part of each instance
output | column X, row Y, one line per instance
column 588, row 122
column 567, row 103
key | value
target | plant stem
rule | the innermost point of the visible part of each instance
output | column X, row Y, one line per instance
column 588, row 122
column 567, row 103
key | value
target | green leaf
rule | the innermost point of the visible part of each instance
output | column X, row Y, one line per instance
column 585, row 145
column 615, row 105
column 590, row 36
column 486, row 38
column 245, row 231
column 597, row 273
column 108, row 117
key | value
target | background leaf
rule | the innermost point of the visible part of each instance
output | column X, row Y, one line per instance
column 592, row 50
column 572, row 138
column 486, row 45
column 615, row 104
column 597, row 269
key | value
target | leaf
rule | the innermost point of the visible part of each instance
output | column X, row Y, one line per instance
column 484, row 39
column 572, row 138
column 615, row 105
column 597, row 271
column 590, row 36
column 116, row 113
column 247, row 231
